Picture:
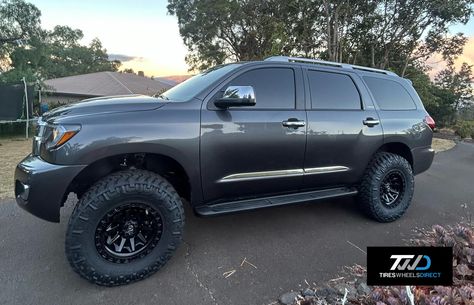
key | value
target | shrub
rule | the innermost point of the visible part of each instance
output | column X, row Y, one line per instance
column 464, row 129
column 461, row 238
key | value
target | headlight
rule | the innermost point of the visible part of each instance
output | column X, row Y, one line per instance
column 57, row 135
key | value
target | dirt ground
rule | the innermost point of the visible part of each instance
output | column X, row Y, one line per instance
column 12, row 151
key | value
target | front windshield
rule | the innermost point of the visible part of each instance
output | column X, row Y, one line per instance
column 193, row 86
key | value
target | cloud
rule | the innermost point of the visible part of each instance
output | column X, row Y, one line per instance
column 468, row 54
column 437, row 64
column 125, row 58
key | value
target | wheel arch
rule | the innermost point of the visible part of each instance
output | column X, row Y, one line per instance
column 398, row 148
column 162, row 164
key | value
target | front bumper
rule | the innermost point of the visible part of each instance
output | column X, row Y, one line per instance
column 40, row 187
column 422, row 159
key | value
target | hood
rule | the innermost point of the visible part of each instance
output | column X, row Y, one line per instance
column 112, row 104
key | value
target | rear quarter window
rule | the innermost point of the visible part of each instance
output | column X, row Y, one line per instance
column 389, row 95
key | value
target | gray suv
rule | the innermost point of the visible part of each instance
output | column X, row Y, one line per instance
column 237, row 137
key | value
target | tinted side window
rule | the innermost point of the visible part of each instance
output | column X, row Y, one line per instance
column 389, row 95
column 274, row 87
column 333, row 91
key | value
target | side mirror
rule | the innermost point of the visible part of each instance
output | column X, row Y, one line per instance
column 236, row 96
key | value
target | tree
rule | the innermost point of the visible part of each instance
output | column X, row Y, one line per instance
column 128, row 70
column 396, row 33
column 57, row 53
column 389, row 34
column 459, row 83
column 19, row 20
column 220, row 30
column 27, row 50
column 68, row 57
column 442, row 106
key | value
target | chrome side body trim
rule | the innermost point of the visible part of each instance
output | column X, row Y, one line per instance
column 262, row 175
column 283, row 173
column 325, row 170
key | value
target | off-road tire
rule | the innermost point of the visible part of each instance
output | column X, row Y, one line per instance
column 370, row 187
column 103, row 197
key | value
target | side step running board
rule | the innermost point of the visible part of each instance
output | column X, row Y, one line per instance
column 258, row 203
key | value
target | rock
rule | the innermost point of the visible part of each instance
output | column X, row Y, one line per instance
column 308, row 292
column 328, row 294
column 341, row 289
column 363, row 289
column 307, row 301
column 288, row 298
column 352, row 290
column 325, row 292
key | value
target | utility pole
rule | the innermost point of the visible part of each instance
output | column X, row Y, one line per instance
column 27, row 108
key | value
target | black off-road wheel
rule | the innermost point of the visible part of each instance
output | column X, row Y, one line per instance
column 387, row 187
column 124, row 228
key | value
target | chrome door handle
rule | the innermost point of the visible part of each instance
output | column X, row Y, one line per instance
column 370, row 122
column 293, row 123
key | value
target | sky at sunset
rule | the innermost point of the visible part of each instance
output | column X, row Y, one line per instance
column 144, row 37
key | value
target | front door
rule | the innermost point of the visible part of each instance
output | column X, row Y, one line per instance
column 252, row 151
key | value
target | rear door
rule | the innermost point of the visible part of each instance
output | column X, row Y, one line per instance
column 343, row 128
column 249, row 151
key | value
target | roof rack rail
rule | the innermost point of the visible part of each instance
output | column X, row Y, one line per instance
column 328, row 63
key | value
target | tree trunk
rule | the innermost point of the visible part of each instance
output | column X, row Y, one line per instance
column 372, row 56
column 335, row 35
column 328, row 25
column 405, row 65
column 385, row 59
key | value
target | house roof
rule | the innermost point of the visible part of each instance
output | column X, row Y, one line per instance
column 173, row 79
column 166, row 80
column 105, row 83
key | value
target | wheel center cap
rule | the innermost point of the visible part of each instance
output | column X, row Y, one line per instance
column 130, row 228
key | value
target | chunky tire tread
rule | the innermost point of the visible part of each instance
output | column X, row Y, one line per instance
column 368, row 195
column 85, row 217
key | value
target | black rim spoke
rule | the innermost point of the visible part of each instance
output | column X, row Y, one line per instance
column 392, row 188
column 128, row 232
